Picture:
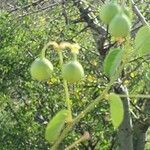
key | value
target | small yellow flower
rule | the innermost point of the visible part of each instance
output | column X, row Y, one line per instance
column 75, row 48
column 91, row 78
column 126, row 82
column 132, row 75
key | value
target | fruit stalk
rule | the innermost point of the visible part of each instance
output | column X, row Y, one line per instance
column 68, row 101
column 44, row 50
column 54, row 44
column 74, row 56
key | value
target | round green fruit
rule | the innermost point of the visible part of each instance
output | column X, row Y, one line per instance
column 41, row 69
column 108, row 11
column 73, row 71
column 120, row 26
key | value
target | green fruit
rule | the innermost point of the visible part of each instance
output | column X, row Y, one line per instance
column 73, row 71
column 41, row 69
column 120, row 26
column 142, row 40
column 108, row 11
column 55, row 126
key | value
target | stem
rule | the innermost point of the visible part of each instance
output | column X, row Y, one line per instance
column 136, row 96
column 74, row 56
column 75, row 143
column 44, row 50
column 97, row 100
column 45, row 47
column 68, row 101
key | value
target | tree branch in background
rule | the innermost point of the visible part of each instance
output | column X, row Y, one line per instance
column 98, row 31
column 39, row 10
column 141, row 126
column 125, row 129
column 138, row 13
column 89, row 17
column 35, row 3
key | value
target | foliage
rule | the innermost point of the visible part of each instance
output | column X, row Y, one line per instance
column 26, row 105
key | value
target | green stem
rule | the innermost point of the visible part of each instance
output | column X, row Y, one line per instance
column 97, row 100
column 75, row 143
column 44, row 49
column 74, row 56
column 68, row 101
column 135, row 96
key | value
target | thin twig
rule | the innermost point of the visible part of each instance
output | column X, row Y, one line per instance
column 27, row 6
column 136, row 96
column 85, row 137
column 42, row 9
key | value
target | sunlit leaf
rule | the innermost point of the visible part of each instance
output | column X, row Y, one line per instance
column 55, row 126
column 142, row 40
column 116, row 109
column 112, row 61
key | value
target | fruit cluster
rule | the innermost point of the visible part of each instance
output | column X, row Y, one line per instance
column 41, row 69
column 117, row 18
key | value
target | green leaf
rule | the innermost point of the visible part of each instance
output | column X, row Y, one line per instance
column 148, row 75
column 55, row 126
column 116, row 109
column 142, row 40
column 112, row 61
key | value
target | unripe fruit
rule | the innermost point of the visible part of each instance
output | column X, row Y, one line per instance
column 73, row 71
column 41, row 69
column 108, row 11
column 120, row 26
